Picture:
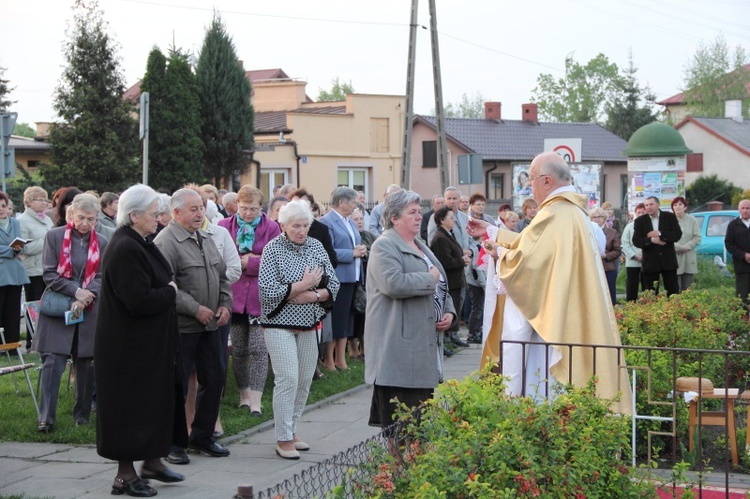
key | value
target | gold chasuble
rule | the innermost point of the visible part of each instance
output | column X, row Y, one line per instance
column 554, row 275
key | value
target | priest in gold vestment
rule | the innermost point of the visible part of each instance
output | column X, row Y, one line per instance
column 555, row 292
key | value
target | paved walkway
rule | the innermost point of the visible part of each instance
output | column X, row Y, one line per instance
column 330, row 426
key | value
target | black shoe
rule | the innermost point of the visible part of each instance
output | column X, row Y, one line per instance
column 134, row 487
column 44, row 427
column 476, row 340
column 177, row 455
column 448, row 352
column 166, row 476
column 456, row 340
column 210, row 447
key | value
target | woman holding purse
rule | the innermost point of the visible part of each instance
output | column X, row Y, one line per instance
column 71, row 267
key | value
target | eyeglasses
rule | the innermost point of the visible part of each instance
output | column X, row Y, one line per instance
column 245, row 209
column 531, row 179
column 598, row 216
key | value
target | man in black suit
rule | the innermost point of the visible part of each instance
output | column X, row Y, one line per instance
column 737, row 242
column 438, row 201
column 655, row 233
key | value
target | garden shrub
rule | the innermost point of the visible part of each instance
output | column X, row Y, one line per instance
column 694, row 319
column 474, row 441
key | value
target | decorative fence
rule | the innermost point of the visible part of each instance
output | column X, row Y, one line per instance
column 668, row 426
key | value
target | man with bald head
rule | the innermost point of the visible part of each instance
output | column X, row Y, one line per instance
column 555, row 291
column 737, row 242
column 374, row 225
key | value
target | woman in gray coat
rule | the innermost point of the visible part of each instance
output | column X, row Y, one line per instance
column 71, row 264
column 408, row 308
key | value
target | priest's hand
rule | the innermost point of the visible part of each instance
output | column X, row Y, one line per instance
column 476, row 227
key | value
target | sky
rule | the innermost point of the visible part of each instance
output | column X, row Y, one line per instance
column 496, row 48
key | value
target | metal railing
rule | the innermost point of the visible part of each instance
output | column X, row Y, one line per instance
column 660, row 418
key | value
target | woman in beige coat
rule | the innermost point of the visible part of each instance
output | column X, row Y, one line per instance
column 687, row 256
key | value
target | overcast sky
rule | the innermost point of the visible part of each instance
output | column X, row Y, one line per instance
column 495, row 47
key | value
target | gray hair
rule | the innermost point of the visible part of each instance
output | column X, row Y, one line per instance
column 553, row 165
column 135, row 199
column 394, row 205
column 229, row 197
column 597, row 212
column 299, row 209
column 163, row 203
column 342, row 193
column 180, row 196
column 107, row 199
column 85, row 202
column 392, row 188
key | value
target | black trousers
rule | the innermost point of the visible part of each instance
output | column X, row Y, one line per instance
column 741, row 286
column 669, row 277
column 35, row 288
column 632, row 282
column 10, row 312
column 202, row 352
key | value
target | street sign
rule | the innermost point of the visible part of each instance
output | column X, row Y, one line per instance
column 469, row 169
column 7, row 126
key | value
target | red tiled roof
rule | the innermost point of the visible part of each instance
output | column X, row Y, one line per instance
column 680, row 98
column 266, row 74
column 321, row 110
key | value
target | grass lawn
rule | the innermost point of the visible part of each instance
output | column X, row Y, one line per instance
column 19, row 417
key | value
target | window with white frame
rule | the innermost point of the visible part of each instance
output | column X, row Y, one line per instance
column 270, row 179
column 356, row 178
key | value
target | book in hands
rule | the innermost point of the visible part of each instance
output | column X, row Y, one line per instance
column 70, row 318
column 19, row 242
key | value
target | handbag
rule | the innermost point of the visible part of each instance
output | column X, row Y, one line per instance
column 359, row 302
column 54, row 304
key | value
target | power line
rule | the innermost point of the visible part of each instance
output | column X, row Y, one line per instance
column 501, row 52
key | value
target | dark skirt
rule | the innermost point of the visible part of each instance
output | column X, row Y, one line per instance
column 342, row 316
column 382, row 410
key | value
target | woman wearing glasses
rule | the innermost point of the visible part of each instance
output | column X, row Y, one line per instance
column 251, row 230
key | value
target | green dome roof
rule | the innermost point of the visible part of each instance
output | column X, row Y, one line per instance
column 656, row 139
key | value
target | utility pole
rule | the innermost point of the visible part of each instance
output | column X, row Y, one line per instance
column 442, row 144
column 439, row 113
column 409, row 111
column 144, row 133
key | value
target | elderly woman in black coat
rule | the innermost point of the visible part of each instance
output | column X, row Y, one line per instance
column 136, row 348
column 70, row 266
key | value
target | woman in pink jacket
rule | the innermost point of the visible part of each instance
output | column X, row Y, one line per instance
column 251, row 231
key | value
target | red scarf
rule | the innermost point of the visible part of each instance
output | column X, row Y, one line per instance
column 65, row 267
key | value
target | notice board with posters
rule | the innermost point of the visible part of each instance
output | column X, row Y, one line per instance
column 587, row 179
column 662, row 177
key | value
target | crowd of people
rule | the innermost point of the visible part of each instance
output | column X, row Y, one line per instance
column 173, row 280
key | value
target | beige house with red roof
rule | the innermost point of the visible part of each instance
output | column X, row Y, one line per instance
column 320, row 145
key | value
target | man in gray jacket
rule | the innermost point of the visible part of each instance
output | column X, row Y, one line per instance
column 203, row 304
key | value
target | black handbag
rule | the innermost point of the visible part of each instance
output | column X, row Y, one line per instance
column 359, row 302
column 54, row 304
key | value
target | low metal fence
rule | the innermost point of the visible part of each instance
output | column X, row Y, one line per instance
column 661, row 431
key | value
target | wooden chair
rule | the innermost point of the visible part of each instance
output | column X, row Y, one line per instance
column 704, row 388
column 21, row 366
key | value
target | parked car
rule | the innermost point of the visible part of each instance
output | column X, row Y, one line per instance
column 713, row 226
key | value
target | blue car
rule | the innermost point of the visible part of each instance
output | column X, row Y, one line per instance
column 713, row 226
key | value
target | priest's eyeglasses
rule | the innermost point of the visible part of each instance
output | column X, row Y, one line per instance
column 531, row 179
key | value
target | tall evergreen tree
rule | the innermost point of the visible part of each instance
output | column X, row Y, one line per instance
column 226, row 112
column 174, row 121
column 338, row 91
column 5, row 90
column 631, row 109
column 96, row 144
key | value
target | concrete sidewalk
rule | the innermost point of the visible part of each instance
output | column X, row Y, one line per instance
column 330, row 426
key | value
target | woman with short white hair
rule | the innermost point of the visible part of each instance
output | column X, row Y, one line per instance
column 297, row 285
column 34, row 227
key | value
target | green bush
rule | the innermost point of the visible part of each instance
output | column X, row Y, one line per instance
column 694, row 319
column 472, row 440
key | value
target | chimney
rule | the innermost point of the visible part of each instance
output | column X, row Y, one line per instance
column 492, row 111
column 733, row 109
column 529, row 112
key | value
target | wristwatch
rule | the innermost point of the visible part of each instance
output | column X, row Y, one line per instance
column 317, row 295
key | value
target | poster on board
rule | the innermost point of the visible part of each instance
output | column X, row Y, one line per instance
column 660, row 177
column 587, row 179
